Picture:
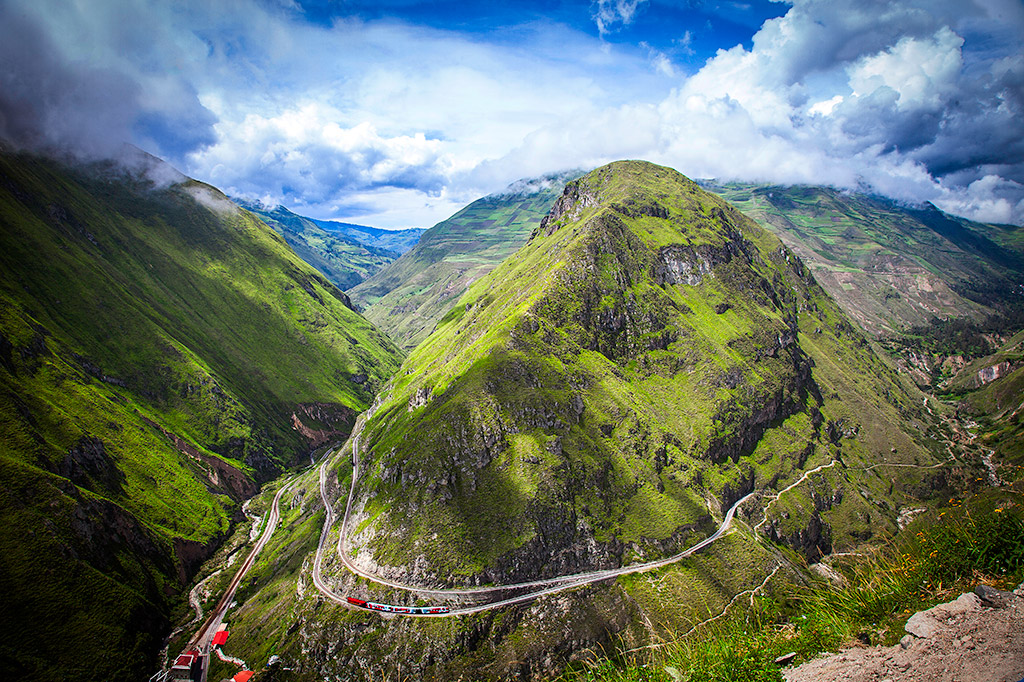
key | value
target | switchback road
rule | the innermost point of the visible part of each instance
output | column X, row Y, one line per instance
column 536, row 588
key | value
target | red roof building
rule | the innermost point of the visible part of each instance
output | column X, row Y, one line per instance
column 243, row 676
column 186, row 665
column 220, row 638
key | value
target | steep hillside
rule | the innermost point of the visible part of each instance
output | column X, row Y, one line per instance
column 890, row 267
column 600, row 399
column 647, row 358
column 162, row 352
column 408, row 297
column 344, row 260
column 398, row 241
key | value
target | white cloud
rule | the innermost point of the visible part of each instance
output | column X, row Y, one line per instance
column 921, row 99
column 919, row 71
column 886, row 95
column 826, row 106
column 609, row 15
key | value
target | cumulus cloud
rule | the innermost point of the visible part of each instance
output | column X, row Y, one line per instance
column 48, row 103
column 59, row 99
column 921, row 101
column 304, row 155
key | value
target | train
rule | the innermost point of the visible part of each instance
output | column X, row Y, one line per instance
column 390, row 608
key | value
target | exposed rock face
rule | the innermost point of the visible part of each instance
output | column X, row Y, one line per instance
column 545, row 413
column 961, row 640
column 220, row 476
column 989, row 374
column 335, row 421
column 88, row 465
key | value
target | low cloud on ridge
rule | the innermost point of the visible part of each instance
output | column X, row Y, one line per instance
column 399, row 125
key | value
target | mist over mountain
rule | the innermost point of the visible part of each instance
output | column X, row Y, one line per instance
column 162, row 354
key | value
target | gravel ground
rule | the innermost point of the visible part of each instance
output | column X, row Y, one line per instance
column 966, row 640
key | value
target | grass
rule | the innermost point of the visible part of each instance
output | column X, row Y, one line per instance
column 407, row 298
column 980, row 539
column 646, row 399
column 869, row 253
column 336, row 253
column 129, row 313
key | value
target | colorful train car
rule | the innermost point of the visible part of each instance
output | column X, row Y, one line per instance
column 405, row 610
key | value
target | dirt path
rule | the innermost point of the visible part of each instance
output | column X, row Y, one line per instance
column 537, row 588
column 967, row 642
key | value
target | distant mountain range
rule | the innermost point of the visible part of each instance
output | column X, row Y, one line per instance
column 890, row 266
column 408, row 297
column 346, row 254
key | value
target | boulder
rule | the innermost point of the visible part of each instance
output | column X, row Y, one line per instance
column 928, row 623
column 994, row 598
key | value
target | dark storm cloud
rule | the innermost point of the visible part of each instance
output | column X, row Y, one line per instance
column 48, row 104
column 52, row 104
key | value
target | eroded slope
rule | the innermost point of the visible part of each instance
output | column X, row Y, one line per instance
column 649, row 356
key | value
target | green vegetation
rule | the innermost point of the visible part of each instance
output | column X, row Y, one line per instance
column 599, row 399
column 990, row 390
column 890, row 267
column 345, row 254
column 162, row 352
column 407, row 298
column 932, row 561
column 648, row 351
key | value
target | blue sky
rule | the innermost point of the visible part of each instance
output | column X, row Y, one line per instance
column 397, row 113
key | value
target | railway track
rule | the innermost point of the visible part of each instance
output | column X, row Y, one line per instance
column 533, row 589
column 201, row 640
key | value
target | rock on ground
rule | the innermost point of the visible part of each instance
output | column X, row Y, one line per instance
column 963, row 641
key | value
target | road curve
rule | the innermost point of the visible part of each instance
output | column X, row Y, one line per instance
column 206, row 631
column 538, row 588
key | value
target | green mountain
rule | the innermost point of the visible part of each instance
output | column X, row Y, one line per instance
column 398, row 241
column 408, row 297
column 162, row 352
column 890, row 267
column 342, row 259
column 600, row 399
column 649, row 349
column 990, row 390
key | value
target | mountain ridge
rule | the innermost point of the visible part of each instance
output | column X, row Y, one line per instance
column 409, row 296
column 155, row 351
column 646, row 359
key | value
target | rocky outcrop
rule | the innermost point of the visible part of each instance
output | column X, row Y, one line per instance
column 89, row 465
column 219, row 476
column 965, row 639
column 987, row 375
column 331, row 421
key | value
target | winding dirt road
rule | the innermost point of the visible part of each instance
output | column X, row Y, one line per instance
column 536, row 588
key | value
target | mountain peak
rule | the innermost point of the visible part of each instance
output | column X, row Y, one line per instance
column 649, row 350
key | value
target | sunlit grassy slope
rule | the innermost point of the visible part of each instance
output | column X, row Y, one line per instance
column 334, row 249
column 161, row 352
column 409, row 296
column 601, row 396
column 891, row 267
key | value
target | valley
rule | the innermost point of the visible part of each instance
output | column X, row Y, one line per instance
column 577, row 341
column 637, row 414
column 798, row 489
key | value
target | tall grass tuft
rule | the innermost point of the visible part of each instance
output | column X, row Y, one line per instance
column 981, row 540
